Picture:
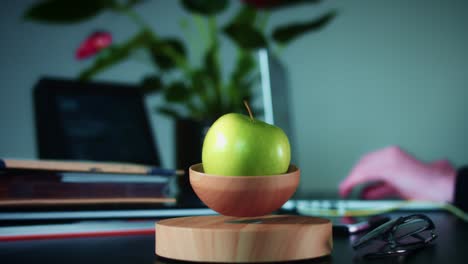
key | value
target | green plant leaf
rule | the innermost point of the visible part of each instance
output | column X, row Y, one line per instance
column 287, row 33
column 177, row 92
column 212, row 67
column 114, row 54
column 243, row 80
column 199, row 86
column 159, row 52
column 66, row 11
column 245, row 64
column 205, row 7
column 241, row 29
column 245, row 36
column 151, row 83
column 169, row 112
column 246, row 15
column 105, row 59
column 131, row 3
column 245, row 87
column 199, row 79
column 212, row 70
column 280, row 4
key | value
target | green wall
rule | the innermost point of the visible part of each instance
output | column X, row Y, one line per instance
column 385, row 72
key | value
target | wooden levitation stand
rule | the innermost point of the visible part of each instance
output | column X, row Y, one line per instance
column 271, row 238
column 244, row 237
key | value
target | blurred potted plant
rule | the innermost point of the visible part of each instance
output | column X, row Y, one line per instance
column 195, row 93
column 200, row 91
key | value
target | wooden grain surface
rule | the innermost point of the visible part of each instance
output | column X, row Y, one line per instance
column 239, row 240
column 244, row 196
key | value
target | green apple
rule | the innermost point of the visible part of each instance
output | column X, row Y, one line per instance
column 236, row 145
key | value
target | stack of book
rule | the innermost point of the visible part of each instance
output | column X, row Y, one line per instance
column 36, row 183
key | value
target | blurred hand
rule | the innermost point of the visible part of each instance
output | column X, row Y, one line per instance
column 393, row 172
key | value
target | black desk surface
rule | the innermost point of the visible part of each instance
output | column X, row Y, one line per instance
column 450, row 247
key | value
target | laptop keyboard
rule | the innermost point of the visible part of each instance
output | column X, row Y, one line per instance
column 343, row 207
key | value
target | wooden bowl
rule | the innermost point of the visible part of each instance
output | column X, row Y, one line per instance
column 244, row 196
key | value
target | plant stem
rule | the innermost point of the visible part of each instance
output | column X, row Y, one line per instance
column 262, row 20
column 217, row 80
column 135, row 17
column 139, row 21
column 203, row 39
column 248, row 110
column 141, row 59
column 201, row 28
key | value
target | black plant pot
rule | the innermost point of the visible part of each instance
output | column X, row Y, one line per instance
column 189, row 142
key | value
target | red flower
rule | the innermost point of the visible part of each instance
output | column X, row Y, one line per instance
column 262, row 4
column 93, row 44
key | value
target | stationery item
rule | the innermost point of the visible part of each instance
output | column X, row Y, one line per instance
column 76, row 230
column 85, row 166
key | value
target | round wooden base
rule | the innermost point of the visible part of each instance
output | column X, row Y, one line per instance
column 220, row 238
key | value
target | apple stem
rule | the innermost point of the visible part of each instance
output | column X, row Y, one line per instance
column 248, row 110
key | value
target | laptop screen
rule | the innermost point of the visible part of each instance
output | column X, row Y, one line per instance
column 93, row 121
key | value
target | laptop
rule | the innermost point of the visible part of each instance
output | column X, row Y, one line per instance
column 92, row 121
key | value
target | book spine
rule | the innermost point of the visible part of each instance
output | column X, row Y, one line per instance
column 53, row 190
